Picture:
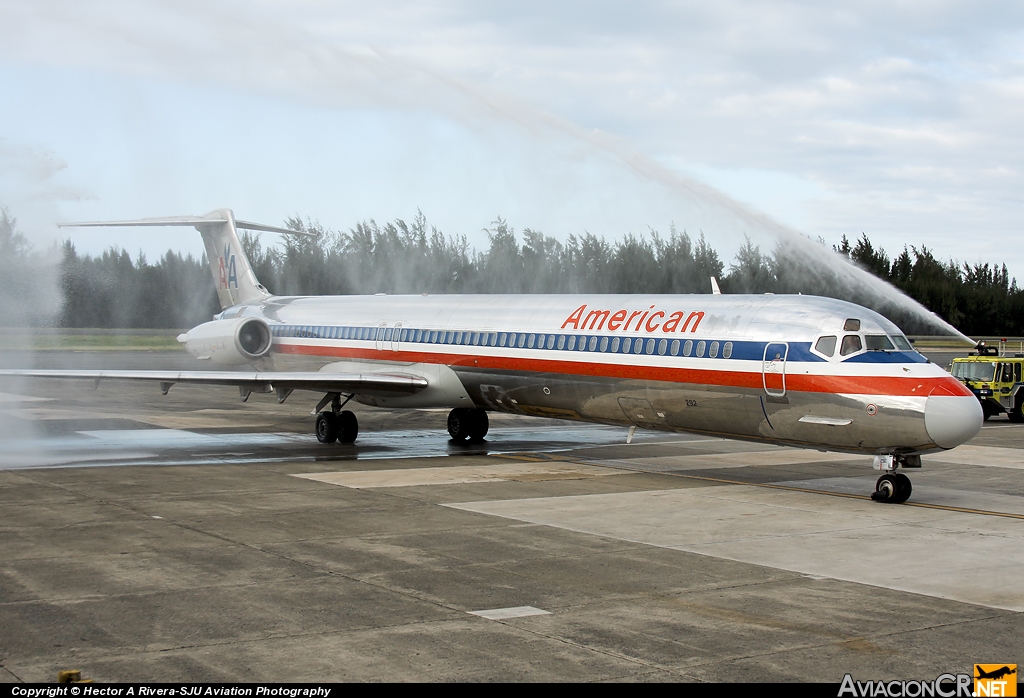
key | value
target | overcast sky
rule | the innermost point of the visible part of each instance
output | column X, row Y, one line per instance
column 899, row 119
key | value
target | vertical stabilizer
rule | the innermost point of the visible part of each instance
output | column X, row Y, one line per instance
column 233, row 276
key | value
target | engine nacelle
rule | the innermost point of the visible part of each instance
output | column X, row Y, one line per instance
column 228, row 342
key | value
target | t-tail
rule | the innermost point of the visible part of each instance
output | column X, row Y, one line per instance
column 232, row 273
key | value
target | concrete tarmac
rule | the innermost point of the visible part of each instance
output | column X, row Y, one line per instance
column 191, row 537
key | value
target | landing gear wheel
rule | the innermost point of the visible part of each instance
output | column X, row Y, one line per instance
column 479, row 427
column 892, row 488
column 468, row 424
column 903, row 488
column 348, row 427
column 326, row 428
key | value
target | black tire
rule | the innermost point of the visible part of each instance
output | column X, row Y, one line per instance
column 903, row 488
column 348, row 427
column 326, row 428
column 987, row 412
column 460, row 423
column 886, row 488
column 479, row 425
column 1017, row 413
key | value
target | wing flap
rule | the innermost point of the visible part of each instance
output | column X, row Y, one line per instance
column 390, row 383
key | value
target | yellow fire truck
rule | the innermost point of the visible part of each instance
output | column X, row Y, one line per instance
column 995, row 380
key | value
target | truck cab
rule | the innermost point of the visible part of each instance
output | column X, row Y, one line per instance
column 995, row 380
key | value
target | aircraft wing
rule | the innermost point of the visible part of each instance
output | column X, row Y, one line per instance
column 281, row 382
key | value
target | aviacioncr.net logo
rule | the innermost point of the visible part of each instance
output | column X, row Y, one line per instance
column 943, row 686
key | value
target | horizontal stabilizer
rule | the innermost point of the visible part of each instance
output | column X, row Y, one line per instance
column 395, row 383
column 185, row 220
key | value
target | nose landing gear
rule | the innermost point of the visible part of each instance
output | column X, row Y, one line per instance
column 892, row 488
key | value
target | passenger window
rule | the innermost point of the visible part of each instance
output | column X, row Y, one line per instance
column 604, row 344
column 593, row 344
column 727, row 351
column 675, row 347
column 521, row 342
column 501, row 339
column 626, row 344
column 387, row 334
column 561, row 341
column 826, row 345
column 687, row 347
column 851, row 345
column 662, row 346
column 550, row 343
column 493, row 338
column 582, row 345
column 713, row 350
column 511, row 339
column 638, row 346
column 533, row 341
column 615, row 344
column 572, row 342
column 700, row 348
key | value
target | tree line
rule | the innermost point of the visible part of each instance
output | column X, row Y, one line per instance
column 113, row 290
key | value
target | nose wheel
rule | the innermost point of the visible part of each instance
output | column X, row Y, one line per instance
column 892, row 488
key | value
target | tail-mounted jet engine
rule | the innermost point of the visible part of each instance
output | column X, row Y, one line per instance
column 228, row 342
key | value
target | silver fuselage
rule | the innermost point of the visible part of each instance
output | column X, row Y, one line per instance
column 738, row 366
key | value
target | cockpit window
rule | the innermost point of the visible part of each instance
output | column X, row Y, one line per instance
column 826, row 345
column 901, row 343
column 878, row 342
column 852, row 325
column 851, row 345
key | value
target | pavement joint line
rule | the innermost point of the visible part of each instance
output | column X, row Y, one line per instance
column 768, row 485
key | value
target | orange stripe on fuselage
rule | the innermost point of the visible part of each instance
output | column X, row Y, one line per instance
column 799, row 382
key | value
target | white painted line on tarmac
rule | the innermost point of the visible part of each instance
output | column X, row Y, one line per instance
column 513, row 612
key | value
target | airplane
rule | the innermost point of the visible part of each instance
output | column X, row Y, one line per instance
column 791, row 370
column 996, row 674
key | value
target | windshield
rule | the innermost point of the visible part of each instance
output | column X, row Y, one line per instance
column 902, row 342
column 878, row 342
column 973, row 370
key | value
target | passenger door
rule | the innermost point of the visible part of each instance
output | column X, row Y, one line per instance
column 773, row 368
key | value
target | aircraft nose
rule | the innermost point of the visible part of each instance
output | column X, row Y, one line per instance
column 952, row 419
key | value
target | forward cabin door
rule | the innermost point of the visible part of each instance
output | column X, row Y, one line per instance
column 773, row 371
column 396, row 337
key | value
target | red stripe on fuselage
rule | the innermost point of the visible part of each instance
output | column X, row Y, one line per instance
column 799, row 382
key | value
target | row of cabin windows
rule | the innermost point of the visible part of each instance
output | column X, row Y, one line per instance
column 561, row 342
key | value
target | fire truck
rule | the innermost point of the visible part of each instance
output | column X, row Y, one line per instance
column 994, row 379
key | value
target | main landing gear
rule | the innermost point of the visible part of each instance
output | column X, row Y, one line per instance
column 335, row 424
column 467, row 424
column 893, row 487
